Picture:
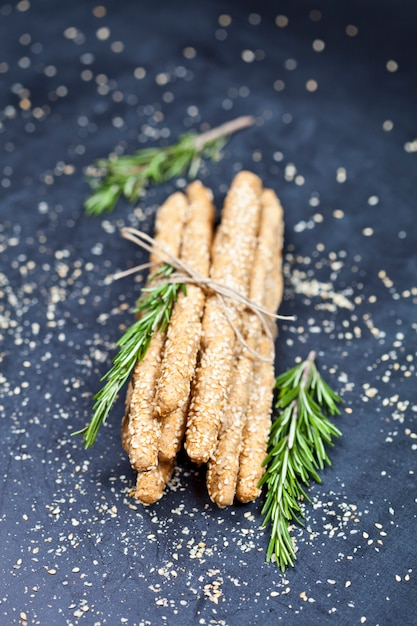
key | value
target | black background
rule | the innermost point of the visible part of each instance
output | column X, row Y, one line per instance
column 342, row 158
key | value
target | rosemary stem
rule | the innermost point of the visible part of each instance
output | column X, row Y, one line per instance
column 124, row 176
column 283, row 476
column 307, row 368
column 308, row 363
column 294, row 417
column 228, row 128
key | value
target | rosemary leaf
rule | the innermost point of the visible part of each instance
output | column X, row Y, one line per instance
column 127, row 175
column 296, row 451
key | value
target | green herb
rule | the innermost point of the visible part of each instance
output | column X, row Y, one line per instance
column 154, row 307
column 296, row 452
column 126, row 176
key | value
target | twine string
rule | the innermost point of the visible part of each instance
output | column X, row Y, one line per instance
column 187, row 275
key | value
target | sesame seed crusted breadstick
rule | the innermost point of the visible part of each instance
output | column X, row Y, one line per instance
column 257, row 427
column 184, row 330
column 258, row 419
column 150, row 485
column 232, row 256
column 181, row 347
column 143, row 425
column 172, row 433
column 223, row 467
column 169, row 225
column 143, row 428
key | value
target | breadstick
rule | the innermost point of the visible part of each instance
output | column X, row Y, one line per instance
column 257, row 427
column 258, row 420
column 150, row 485
column 172, row 433
column 233, row 250
column 223, row 468
column 143, row 427
column 184, row 330
column 169, row 225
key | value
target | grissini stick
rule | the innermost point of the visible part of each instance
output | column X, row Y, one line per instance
column 141, row 423
column 181, row 346
column 184, row 330
column 258, row 419
column 223, row 467
column 150, row 485
column 232, row 256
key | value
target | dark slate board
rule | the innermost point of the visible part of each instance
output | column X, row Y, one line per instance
column 333, row 88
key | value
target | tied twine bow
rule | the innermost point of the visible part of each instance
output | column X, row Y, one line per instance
column 186, row 275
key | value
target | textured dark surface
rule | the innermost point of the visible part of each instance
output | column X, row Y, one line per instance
column 342, row 157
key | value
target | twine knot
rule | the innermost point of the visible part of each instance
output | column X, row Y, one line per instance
column 185, row 275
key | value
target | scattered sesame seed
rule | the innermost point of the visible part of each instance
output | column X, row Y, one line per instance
column 318, row 45
column 281, row 21
column 311, row 85
column 351, row 30
column 392, row 66
column 103, row 33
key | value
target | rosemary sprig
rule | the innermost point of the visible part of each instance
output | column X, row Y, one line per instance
column 126, row 176
column 154, row 307
column 296, row 452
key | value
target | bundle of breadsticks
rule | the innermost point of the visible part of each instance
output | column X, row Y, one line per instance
column 207, row 382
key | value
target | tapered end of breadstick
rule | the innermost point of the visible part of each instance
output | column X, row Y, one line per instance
column 150, row 485
column 247, row 177
column 221, row 482
column 197, row 192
